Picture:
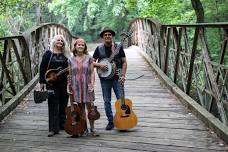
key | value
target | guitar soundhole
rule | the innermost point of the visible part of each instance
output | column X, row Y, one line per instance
column 124, row 107
column 76, row 116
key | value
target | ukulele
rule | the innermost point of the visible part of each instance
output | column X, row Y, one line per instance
column 124, row 117
column 52, row 74
column 75, row 123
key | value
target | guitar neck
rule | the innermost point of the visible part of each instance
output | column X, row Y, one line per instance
column 122, row 94
column 119, row 71
column 62, row 71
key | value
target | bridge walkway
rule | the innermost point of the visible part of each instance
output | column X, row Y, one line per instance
column 164, row 124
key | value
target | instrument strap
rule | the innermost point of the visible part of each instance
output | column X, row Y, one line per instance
column 111, row 58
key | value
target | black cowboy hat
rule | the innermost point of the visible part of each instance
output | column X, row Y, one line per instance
column 107, row 29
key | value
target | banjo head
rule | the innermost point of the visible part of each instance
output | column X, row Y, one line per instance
column 105, row 73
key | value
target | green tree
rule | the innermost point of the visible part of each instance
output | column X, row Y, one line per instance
column 87, row 17
column 20, row 15
column 167, row 11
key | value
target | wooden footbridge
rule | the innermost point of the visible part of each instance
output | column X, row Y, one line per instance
column 179, row 92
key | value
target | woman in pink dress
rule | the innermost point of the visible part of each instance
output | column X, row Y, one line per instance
column 81, row 74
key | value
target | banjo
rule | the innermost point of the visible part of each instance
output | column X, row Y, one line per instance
column 111, row 70
column 111, row 66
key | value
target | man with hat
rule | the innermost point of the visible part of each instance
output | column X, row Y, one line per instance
column 114, row 53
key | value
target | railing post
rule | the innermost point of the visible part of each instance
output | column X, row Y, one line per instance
column 19, row 62
column 177, row 55
column 167, row 51
column 6, row 70
column 190, row 71
column 223, row 51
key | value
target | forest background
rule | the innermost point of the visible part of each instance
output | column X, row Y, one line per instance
column 87, row 17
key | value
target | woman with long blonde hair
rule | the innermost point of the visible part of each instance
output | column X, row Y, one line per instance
column 55, row 58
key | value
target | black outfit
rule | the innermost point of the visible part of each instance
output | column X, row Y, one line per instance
column 57, row 102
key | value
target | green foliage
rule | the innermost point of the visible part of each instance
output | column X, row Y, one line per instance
column 5, row 4
column 168, row 11
column 18, row 15
column 86, row 18
column 215, row 10
column 131, row 4
column 181, row 11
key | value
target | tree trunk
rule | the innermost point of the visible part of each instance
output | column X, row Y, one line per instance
column 198, row 7
column 38, row 14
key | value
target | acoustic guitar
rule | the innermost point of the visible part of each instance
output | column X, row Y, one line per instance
column 124, row 118
column 75, row 123
column 52, row 74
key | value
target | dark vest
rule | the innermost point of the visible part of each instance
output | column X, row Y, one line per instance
column 117, row 58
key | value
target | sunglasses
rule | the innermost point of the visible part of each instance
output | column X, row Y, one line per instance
column 107, row 35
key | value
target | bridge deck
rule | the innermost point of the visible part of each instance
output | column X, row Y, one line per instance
column 164, row 124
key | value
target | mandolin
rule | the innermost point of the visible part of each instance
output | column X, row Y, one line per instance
column 124, row 118
column 52, row 74
column 93, row 113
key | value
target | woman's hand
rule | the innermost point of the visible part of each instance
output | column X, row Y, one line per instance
column 69, row 90
column 90, row 87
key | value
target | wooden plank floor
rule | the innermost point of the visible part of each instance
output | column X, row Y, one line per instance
column 163, row 123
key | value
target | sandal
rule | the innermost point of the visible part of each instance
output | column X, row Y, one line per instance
column 94, row 133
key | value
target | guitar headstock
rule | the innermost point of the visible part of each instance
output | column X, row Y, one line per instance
column 126, row 35
column 69, row 85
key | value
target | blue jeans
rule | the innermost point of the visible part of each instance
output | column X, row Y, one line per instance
column 107, row 86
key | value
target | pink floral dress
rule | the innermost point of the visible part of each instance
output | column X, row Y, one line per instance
column 79, row 73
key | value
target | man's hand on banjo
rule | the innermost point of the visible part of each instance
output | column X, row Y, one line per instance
column 103, row 67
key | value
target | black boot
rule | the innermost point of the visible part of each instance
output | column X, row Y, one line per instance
column 110, row 126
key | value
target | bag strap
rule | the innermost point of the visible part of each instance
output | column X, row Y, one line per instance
column 49, row 60
column 42, row 89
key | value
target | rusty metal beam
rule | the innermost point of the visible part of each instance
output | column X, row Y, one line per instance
column 190, row 71
column 6, row 70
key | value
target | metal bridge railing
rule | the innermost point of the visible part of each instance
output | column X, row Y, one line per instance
column 20, row 57
column 193, row 56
